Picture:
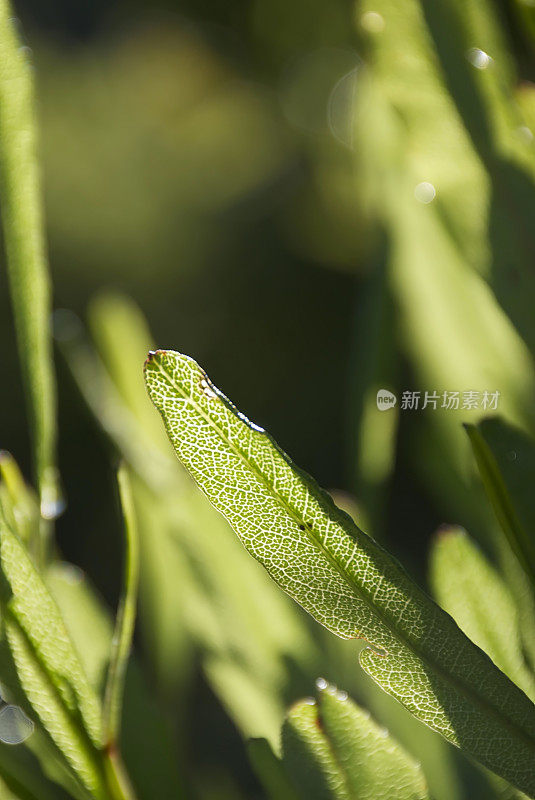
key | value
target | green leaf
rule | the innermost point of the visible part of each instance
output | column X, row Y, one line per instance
column 521, row 543
column 20, row 771
column 374, row 369
column 419, row 110
column 148, row 740
column 45, row 674
column 332, row 749
column 471, row 590
column 126, row 616
column 441, row 763
column 147, row 743
column 254, row 655
column 18, row 766
column 270, row 771
column 507, row 461
column 23, row 227
column 19, row 502
column 115, row 319
column 343, row 578
column 85, row 618
column 514, row 453
column 115, row 417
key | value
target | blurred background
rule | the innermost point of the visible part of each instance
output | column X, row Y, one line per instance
column 316, row 201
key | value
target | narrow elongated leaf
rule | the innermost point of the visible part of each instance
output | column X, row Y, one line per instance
column 270, row 771
column 246, row 649
column 471, row 590
column 374, row 369
column 115, row 319
column 418, row 107
column 19, row 502
column 520, row 541
column 506, row 458
column 26, row 257
column 343, row 578
column 86, row 619
column 333, row 749
column 514, row 453
column 126, row 615
column 47, row 677
column 147, row 744
column 21, row 772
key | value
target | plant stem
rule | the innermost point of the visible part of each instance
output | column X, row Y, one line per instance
column 117, row 778
column 126, row 616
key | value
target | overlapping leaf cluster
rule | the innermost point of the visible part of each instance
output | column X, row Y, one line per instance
column 471, row 680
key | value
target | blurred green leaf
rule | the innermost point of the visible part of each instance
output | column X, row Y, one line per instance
column 148, row 740
column 47, row 668
column 332, row 749
column 375, row 368
column 101, row 394
column 270, row 771
column 507, row 458
column 22, row 774
column 468, row 588
column 514, row 454
column 115, row 320
column 520, row 541
column 126, row 615
column 476, row 58
column 26, row 253
column 11, row 790
column 422, row 120
column 446, row 71
column 347, row 582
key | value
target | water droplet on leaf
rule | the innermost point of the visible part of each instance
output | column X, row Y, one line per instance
column 372, row 22
column 15, row 727
column 525, row 133
column 425, row 192
column 478, row 58
column 341, row 108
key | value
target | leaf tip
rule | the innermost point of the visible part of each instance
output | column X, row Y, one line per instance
column 152, row 357
column 446, row 530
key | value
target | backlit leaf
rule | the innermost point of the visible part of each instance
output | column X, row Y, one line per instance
column 333, row 749
column 471, row 590
column 343, row 578
column 255, row 655
column 46, row 677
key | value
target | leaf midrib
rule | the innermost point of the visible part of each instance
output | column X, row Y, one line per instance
column 466, row 689
column 342, row 771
